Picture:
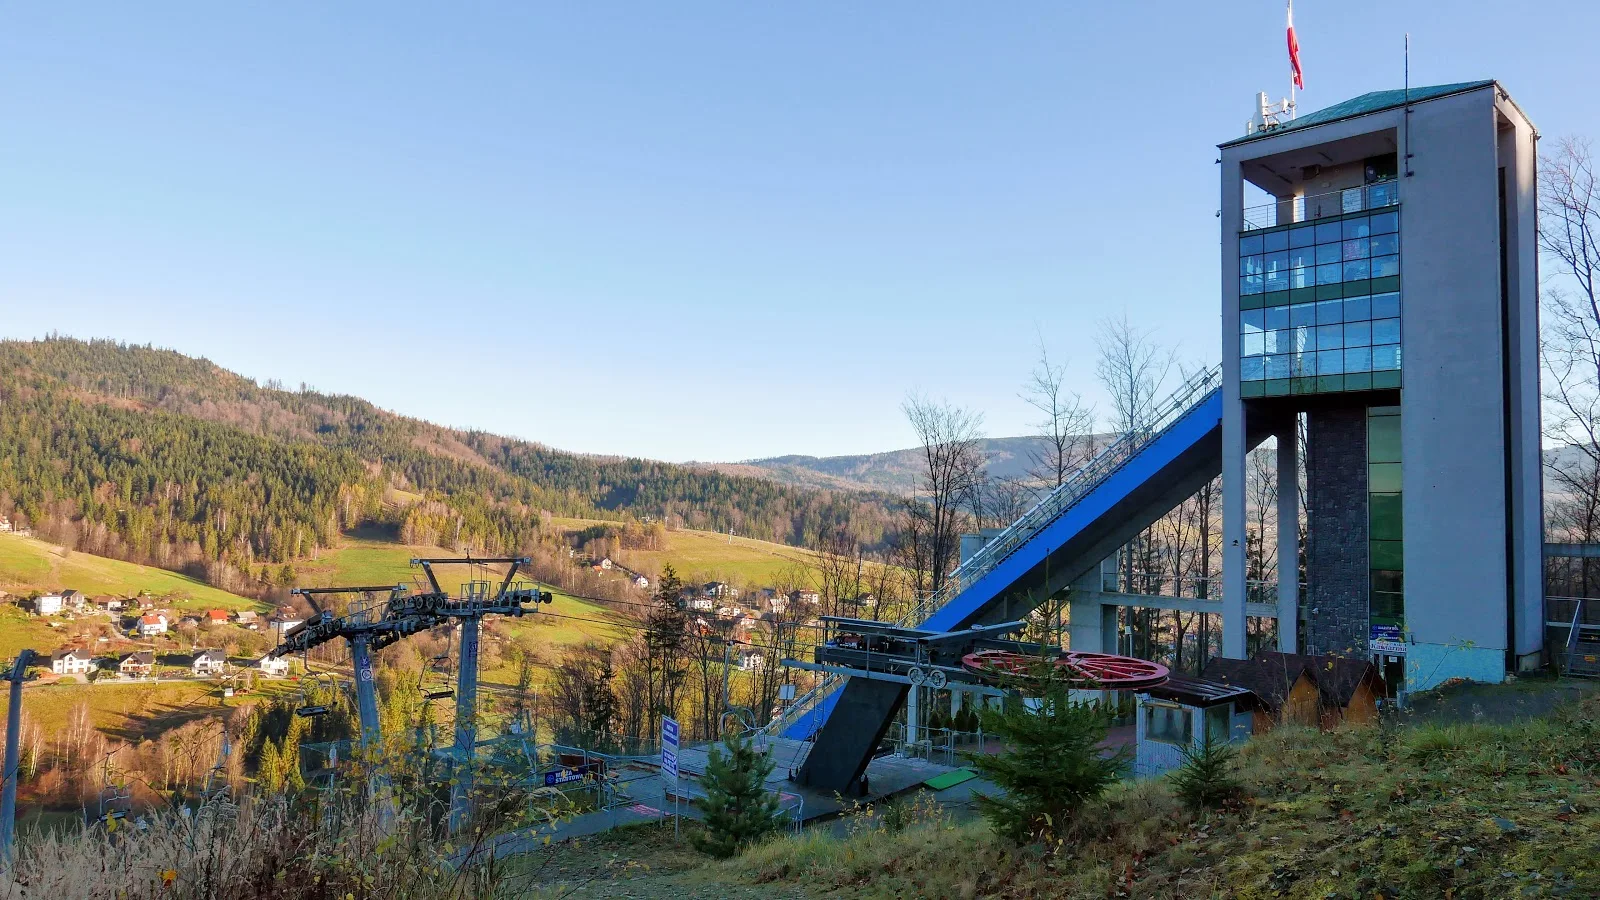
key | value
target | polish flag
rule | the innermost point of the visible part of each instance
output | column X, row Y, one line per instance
column 1294, row 51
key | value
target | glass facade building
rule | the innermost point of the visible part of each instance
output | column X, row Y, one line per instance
column 1320, row 303
column 1385, row 527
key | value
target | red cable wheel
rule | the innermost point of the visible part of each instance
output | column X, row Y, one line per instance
column 1100, row 670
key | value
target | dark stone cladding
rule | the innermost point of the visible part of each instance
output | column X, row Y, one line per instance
column 1336, row 532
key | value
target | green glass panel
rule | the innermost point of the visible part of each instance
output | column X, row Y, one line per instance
column 1383, row 442
column 1384, row 510
column 1275, row 298
column 1330, row 291
column 1385, row 379
column 1252, row 388
column 1304, row 385
column 1303, row 295
column 1388, row 555
column 1359, row 288
column 1383, row 478
column 1252, row 301
column 1388, row 580
column 1388, row 606
column 1384, row 285
column 1277, row 387
column 1357, row 381
column 1330, row 384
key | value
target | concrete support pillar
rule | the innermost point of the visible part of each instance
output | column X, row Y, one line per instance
column 1233, row 523
column 1092, row 626
column 1288, row 536
column 955, row 701
column 913, row 715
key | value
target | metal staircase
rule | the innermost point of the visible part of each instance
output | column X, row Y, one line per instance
column 1583, row 645
column 1196, row 391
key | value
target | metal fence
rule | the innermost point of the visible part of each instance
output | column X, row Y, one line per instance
column 1319, row 206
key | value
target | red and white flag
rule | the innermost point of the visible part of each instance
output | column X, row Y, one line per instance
column 1294, row 51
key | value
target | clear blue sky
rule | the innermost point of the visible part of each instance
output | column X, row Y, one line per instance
column 678, row 230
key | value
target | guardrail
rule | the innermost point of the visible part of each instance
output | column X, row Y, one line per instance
column 1320, row 206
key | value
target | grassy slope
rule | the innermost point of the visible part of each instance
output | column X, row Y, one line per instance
column 706, row 556
column 1463, row 811
column 27, row 564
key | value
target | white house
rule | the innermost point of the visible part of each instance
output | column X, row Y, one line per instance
column 283, row 620
column 5, row 525
column 805, row 596
column 641, row 582
column 277, row 667
column 138, row 664
column 721, row 589
column 703, row 604
column 751, row 659
column 208, row 663
column 76, row 661
column 48, row 605
column 73, row 600
column 152, row 624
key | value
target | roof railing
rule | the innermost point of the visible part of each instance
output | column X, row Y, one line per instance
column 1321, row 206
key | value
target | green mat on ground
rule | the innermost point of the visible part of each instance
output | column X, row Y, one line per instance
column 950, row 779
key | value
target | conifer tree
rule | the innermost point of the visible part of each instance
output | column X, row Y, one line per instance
column 1206, row 777
column 738, row 807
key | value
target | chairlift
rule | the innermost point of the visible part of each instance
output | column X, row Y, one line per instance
column 434, row 680
column 303, row 707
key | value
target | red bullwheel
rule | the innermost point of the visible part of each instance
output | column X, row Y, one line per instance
column 1103, row 671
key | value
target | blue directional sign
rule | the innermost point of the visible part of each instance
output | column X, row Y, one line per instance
column 669, row 747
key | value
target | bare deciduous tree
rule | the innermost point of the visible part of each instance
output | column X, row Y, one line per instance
column 949, row 437
column 1133, row 368
column 1066, row 426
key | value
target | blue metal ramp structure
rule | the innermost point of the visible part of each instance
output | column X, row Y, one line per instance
column 1126, row 487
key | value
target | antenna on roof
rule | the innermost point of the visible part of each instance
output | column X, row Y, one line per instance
column 1409, row 173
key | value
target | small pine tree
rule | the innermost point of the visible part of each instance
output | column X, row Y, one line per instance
column 1052, row 765
column 738, row 807
column 1206, row 780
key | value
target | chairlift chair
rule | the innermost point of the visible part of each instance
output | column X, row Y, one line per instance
column 434, row 679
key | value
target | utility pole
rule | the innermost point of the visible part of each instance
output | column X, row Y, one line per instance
column 8, row 797
column 727, row 648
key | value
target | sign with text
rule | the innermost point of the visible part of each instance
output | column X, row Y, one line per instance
column 569, row 774
column 1388, row 639
column 669, row 747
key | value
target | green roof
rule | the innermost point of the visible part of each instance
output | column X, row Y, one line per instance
column 1377, row 101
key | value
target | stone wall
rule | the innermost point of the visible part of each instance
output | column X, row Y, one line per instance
column 1336, row 533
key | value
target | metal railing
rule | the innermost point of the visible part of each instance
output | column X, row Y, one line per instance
column 1194, row 390
column 1320, row 206
column 1157, row 584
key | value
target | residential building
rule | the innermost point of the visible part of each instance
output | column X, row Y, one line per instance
column 750, row 659
column 720, row 590
column 1182, row 714
column 641, row 582
column 277, row 667
column 5, row 525
column 137, row 665
column 152, row 624
column 805, row 596
column 216, row 617
column 47, row 605
column 73, row 600
column 209, row 662
column 76, row 661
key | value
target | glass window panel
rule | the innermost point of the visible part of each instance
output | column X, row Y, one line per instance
column 1251, row 284
column 1357, row 269
column 1330, row 362
column 1251, row 319
column 1276, row 240
column 1384, row 477
column 1278, row 366
column 1277, row 262
column 1388, row 605
column 1219, row 728
column 1303, row 236
column 1385, row 266
column 1384, row 510
column 1388, row 555
column 1303, row 256
column 1302, row 277
column 1356, row 248
column 1358, row 359
column 1386, row 223
column 1252, row 368
column 1386, row 359
column 1252, row 265
column 1358, row 334
column 1279, row 341
column 1330, row 312
column 1305, row 338
column 1386, row 331
column 1277, row 317
column 1305, row 364
column 1250, row 244
column 1329, row 274
column 1383, row 443
column 1385, row 244
column 1357, row 308
column 1277, row 281
column 1357, row 227
column 1388, row 580
column 1384, row 193
column 1253, row 344
column 1303, row 314
column 1330, row 337
column 1167, row 725
column 1327, row 253
column 1327, row 233
column 1385, row 306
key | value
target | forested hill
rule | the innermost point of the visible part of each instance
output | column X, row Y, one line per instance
column 152, row 455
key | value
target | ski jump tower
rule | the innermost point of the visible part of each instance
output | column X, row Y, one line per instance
column 1379, row 285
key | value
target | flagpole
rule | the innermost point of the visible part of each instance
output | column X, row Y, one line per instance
column 1293, row 109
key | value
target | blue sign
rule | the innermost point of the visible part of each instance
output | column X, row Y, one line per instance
column 669, row 747
column 569, row 775
column 1388, row 639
